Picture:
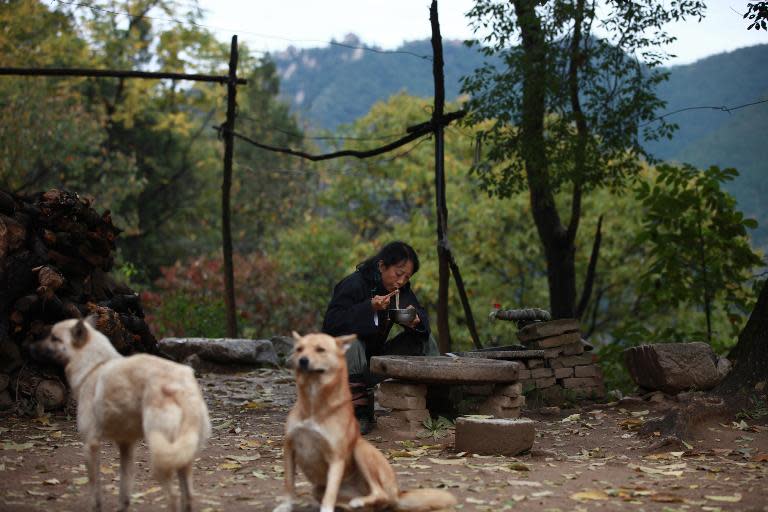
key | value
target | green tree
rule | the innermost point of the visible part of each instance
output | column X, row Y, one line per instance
column 698, row 243
column 566, row 101
column 271, row 191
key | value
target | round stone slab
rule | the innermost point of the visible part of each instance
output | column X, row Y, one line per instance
column 445, row 370
column 504, row 354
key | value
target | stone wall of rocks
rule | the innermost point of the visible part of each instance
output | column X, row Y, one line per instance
column 566, row 370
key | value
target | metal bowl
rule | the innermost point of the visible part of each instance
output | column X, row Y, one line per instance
column 402, row 316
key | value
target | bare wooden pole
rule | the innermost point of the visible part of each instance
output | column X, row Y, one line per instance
column 446, row 262
column 226, row 186
column 443, row 328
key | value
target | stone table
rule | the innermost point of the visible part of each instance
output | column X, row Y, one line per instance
column 409, row 377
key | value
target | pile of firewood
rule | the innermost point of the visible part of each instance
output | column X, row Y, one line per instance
column 55, row 256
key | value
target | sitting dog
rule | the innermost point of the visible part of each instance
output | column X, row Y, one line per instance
column 323, row 438
column 126, row 398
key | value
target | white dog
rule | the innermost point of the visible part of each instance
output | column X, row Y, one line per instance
column 125, row 399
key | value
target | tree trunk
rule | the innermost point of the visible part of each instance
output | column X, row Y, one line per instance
column 558, row 243
column 750, row 355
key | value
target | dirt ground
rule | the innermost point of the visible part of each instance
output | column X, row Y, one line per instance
column 583, row 459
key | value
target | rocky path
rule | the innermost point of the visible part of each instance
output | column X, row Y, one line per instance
column 583, row 459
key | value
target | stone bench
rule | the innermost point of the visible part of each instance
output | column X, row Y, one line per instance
column 410, row 379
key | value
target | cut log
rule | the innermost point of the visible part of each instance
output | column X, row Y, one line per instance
column 56, row 252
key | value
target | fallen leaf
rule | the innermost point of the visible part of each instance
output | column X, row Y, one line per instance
column 524, row 483
column 52, row 481
column 638, row 414
column 727, row 499
column 10, row 445
column 518, row 466
column 760, row 457
column 667, row 498
column 81, row 480
column 229, row 465
column 244, row 458
column 572, row 417
column 589, row 495
column 448, row 462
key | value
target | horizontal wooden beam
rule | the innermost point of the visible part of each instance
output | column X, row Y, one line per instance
column 110, row 73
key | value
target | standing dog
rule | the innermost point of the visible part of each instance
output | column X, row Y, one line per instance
column 126, row 398
column 323, row 438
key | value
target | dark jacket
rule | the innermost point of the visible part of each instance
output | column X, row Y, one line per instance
column 350, row 310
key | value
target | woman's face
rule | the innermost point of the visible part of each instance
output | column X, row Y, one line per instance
column 397, row 275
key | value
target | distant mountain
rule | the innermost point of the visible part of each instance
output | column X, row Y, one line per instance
column 335, row 85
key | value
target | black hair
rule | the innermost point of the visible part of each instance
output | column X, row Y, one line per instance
column 393, row 252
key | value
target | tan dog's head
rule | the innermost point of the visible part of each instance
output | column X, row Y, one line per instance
column 319, row 354
column 66, row 340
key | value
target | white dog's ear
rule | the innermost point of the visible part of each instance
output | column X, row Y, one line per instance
column 296, row 335
column 344, row 342
column 79, row 334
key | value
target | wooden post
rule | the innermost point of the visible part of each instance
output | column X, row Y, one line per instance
column 446, row 262
column 443, row 329
column 226, row 186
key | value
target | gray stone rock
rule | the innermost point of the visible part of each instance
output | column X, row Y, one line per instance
column 494, row 436
column 673, row 367
column 540, row 330
column 221, row 350
column 283, row 347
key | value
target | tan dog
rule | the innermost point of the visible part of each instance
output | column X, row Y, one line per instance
column 126, row 398
column 323, row 439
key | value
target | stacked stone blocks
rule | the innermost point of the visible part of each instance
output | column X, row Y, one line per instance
column 565, row 367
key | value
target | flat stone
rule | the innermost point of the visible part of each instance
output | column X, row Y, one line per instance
column 412, row 415
column 396, row 387
column 512, row 390
column 673, row 367
column 573, row 349
column 532, row 364
column 539, row 373
column 545, row 382
column 563, row 373
column 506, row 402
column 494, row 436
column 221, row 350
column 445, row 370
column 553, row 342
column 580, row 382
column 539, row 330
column 591, row 370
column 510, row 355
column 401, row 402
column 570, row 361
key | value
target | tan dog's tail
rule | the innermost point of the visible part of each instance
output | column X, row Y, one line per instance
column 175, row 432
column 424, row 500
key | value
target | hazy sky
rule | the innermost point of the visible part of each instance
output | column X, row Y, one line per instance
column 274, row 25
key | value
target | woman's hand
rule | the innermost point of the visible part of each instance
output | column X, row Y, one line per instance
column 381, row 302
column 416, row 320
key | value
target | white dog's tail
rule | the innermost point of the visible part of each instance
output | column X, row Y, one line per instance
column 175, row 430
